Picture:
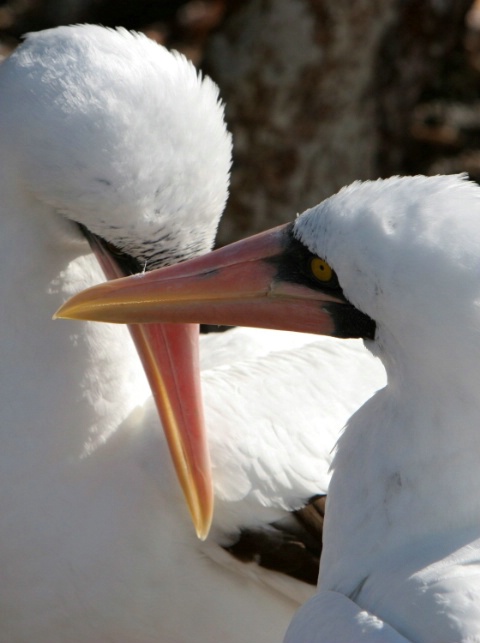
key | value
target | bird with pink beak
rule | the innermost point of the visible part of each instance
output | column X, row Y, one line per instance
column 115, row 160
column 395, row 262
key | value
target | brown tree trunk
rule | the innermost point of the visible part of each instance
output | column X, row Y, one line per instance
column 319, row 93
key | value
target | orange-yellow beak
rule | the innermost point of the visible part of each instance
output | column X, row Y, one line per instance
column 264, row 281
column 169, row 353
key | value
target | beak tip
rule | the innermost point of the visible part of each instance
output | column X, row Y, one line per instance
column 58, row 313
column 64, row 312
column 202, row 532
column 201, row 510
column 202, row 527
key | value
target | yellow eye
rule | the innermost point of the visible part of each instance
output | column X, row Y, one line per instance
column 320, row 269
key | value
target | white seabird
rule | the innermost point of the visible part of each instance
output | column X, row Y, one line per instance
column 106, row 129
column 396, row 261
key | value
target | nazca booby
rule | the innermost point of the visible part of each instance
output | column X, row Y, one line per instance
column 396, row 261
column 106, row 129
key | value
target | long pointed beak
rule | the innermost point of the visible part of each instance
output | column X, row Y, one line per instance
column 169, row 354
column 259, row 282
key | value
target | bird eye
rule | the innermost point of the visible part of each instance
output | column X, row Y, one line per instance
column 321, row 270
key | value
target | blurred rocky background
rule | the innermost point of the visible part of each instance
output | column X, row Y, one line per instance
column 318, row 92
